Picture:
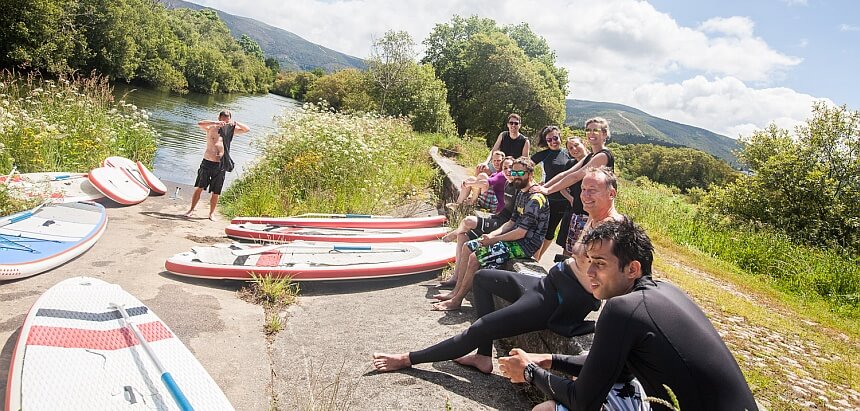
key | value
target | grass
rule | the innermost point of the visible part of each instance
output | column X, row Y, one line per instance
column 68, row 124
column 827, row 279
column 271, row 291
column 324, row 162
column 274, row 324
column 323, row 394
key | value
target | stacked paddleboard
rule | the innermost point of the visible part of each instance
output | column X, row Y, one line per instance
column 125, row 181
column 76, row 352
column 345, row 221
column 38, row 240
column 309, row 261
column 280, row 233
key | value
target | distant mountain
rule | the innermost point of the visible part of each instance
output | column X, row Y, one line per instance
column 292, row 51
column 632, row 126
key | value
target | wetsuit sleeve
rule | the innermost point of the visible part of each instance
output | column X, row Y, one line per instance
column 613, row 340
column 539, row 157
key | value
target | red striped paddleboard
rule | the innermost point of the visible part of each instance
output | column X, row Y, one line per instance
column 39, row 240
column 278, row 233
column 76, row 352
column 138, row 172
column 59, row 187
column 309, row 261
column 118, row 185
column 346, row 221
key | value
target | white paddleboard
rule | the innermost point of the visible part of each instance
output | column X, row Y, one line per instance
column 151, row 180
column 118, row 185
column 75, row 352
column 39, row 241
column 58, row 186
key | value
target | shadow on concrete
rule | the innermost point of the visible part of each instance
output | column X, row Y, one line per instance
column 465, row 382
column 330, row 287
column 228, row 285
column 6, row 362
column 170, row 216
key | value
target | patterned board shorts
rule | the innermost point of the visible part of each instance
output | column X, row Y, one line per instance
column 487, row 201
column 577, row 224
column 623, row 396
column 496, row 255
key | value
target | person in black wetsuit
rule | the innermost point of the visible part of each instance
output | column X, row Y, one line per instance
column 554, row 160
column 651, row 327
column 559, row 302
column 576, row 151
column 216, row 159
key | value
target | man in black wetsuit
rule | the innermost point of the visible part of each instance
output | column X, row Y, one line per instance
column 651, row 327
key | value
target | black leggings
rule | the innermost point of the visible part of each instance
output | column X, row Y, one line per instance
column 533, row 303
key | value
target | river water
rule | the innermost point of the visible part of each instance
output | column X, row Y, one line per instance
column 181, row 143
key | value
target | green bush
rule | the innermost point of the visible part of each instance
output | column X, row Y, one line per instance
column 327, row 162
column 810, row 273
column 69, row 124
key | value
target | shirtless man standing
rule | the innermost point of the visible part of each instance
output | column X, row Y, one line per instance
column 216, row 160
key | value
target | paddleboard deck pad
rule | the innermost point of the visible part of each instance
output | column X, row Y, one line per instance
column 75, row 352
column 49, row 237
column 277, row 233
column 59, row 187
column 347, row 221
column 309, row 260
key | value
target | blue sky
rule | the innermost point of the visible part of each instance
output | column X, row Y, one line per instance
column 729, row 66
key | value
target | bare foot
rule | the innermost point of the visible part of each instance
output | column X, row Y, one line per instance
column 190, row 213
column 444, row 297
column 449, row 305
column 390, row 362
column 483, row 363
column 212, row 217
column 450, row 237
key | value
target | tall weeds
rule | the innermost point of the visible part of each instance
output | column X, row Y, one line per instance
column 325, row 162
column 68, row 124
column 810, row 273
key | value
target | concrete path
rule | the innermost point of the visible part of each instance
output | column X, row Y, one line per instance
column 223, row 332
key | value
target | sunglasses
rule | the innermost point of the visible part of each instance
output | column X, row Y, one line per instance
column 515, row 173
column 514, row 123
column 551, row 139
column 594, row 130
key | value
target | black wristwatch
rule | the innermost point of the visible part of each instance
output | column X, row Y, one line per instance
column 529, row 372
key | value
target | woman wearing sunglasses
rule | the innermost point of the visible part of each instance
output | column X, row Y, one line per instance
column 597, row 132
column 554, row 160
column 511, row 142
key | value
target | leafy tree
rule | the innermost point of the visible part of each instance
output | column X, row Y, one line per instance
column 273, row 64
column 391, row 59
column 807, row 184
column 294, row 84
column 344, row 90
column 41, row 34
column 422, row 98
column 485, row 84
column 251, row 47
column 504, row 80
column 681, row 167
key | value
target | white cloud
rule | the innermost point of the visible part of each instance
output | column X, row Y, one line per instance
column 848, row 27
column 609, row 47
column 725, row 105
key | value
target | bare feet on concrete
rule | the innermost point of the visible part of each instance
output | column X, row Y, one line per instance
column 190, row 213
column 483, row 363
column 390, row 362
column 444, row 296
column 449, row 305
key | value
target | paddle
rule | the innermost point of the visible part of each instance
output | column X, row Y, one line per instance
column 168, row 380
column 260, row 250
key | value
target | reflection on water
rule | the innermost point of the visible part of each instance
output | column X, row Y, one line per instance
column 181, row 143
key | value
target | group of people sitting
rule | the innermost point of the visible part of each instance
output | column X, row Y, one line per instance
column 649, row 338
